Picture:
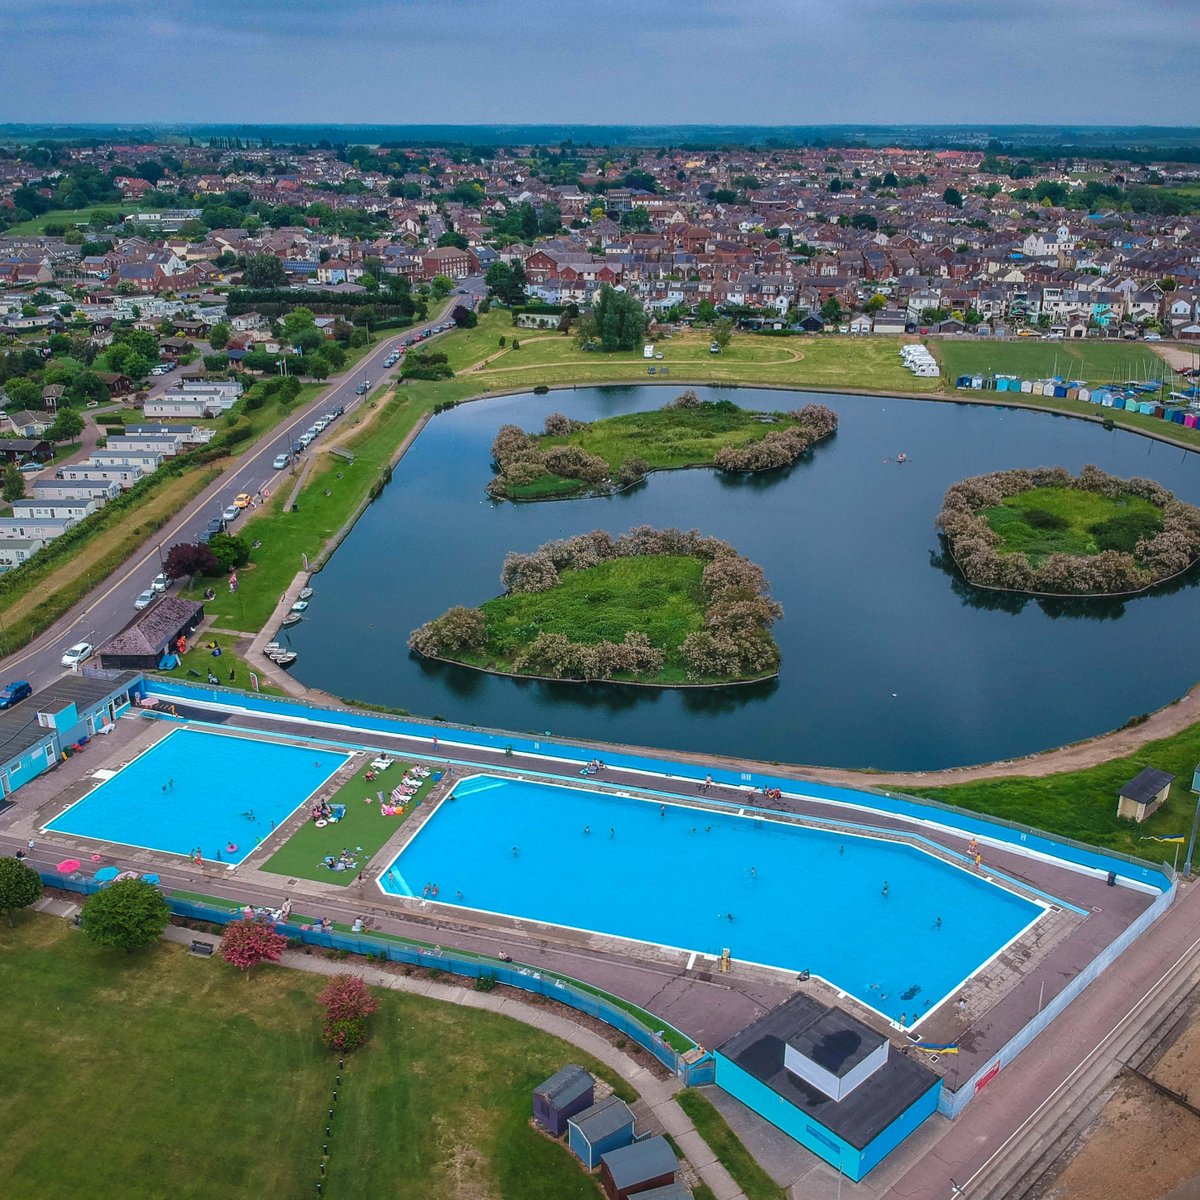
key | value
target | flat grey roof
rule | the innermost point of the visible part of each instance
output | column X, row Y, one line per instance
column 859, row 1117
column 837, row 1042
column 1145, row 785
column 564, row 1086
column 19, row 728
column 603, row 1118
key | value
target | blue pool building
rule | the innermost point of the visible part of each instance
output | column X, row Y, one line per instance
column 829, row 1081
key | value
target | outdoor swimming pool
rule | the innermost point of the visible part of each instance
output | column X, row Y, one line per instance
column 776, row 894
column 206, row 790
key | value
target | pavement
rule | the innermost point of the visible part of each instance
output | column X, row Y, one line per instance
column 109, row 606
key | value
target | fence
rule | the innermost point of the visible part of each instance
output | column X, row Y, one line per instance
column 1020, row 837
column 516, row 975
column 952, row 1103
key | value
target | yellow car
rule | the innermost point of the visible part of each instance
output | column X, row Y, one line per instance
column 242, row 500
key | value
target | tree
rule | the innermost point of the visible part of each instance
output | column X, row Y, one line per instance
column 722, row 332
column 67, row 426
column 228, row 551
column 441, row 285
column 23, row 393
column 263, row 271
column 347, row 1003
column 550, row 219
column 453, row 238
column 14, row 483
column 245, row 944
column 187, row 558
column 20, row 886
column 218, row 335
column 503, row 283
column 875, row 303
column 464, row 317
column 129, row 914
column 87, row 386
column 637, row 220
column 620, row 319
column 317, row 366
column 216, row 362
column 706, row 311
column 831, row 310
column 953, row 197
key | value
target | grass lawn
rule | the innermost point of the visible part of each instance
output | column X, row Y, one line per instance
column 659, row 595
column 1065, row 520
column 70, row 217
column 665, row 438
column 200, row 660
column 1030, row 358
column 728, row 1148
column 158, row 1073
column 363, row 831
column 1083, row 804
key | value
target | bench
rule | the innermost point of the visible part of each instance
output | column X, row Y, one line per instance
column 203, row 949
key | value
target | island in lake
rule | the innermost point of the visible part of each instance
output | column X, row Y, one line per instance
column 654, row 606
column 580, row 458
column 1048, row 532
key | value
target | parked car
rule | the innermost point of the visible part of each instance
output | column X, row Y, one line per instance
column 160, row 582
column 231, row 513
column 298, row 447
column 281, row 461
column 31, row 468
column 361, row 390
column 242, row 500
column 77, row 654
column 145, row 599
column 216, row 525
column 14, row 692
column 306, row 440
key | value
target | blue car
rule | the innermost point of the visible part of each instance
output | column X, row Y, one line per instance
column 14, row 692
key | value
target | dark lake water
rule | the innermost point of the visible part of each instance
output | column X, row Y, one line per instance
column 889, row 661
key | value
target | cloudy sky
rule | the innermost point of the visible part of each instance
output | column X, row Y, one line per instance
column 620, row 61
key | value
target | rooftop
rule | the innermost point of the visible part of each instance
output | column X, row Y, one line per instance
column 149, row 630
column 19, row 728
column 1146, row 784
column 630, row 1165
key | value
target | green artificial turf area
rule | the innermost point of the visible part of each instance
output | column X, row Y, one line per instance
column 727, row 1146
column 1067, row 520
column 153, row 1074
column 362, row 830
column 664, row 438
column 661, row 596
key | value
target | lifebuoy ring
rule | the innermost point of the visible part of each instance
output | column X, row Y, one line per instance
column 322, row 823
column 231, row 847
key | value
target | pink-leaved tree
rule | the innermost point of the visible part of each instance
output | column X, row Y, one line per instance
column 246, row 943
column 348, row 1003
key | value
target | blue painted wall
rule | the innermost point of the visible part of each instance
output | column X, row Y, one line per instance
column 589, row 1152
column 852, row 1162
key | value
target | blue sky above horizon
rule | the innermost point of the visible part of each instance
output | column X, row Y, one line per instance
column 760, row 62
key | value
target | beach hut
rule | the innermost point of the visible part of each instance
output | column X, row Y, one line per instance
column 1189, row 420
column 632, row 1170
column 977, row 382
column 605, row 1126
column 1072, row 393
column 1038, row 388
column 1027, row 385
column 963, row 381
column 1085, row 394
column 1178, row 415
column 564, row 1094
column 1060, row 391
column 1118, row 402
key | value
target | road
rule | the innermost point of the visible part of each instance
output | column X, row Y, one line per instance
column 108, row 607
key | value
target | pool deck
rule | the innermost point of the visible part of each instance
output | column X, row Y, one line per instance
column 700, row 1001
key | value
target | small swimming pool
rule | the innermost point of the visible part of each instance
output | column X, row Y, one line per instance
column 897, row 928
column 206, row 790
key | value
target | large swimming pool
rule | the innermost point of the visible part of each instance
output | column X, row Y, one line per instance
column 201, row 790
column 895, row 927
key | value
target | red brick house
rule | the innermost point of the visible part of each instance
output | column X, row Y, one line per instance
column 451, row 261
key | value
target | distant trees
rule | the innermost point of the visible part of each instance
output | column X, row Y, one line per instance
column 507, row 282
column 218, row 335
column 780, row 447
column 14, row 483
column 263, row 271
column 953, row 197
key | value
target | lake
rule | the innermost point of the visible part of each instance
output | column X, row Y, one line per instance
column 889, row 659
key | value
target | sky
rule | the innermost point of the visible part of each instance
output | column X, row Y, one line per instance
column 759, row 62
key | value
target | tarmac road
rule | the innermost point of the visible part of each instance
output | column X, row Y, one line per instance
column 106, row 609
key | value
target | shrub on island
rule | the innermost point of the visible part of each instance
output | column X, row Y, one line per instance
column 728, row 635
column 537, row 466
column 1141, row 537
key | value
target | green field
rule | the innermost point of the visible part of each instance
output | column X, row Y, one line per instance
column 1083, row 804
column 658, row 595
column 157, row 1074
column 70, row 217
column 362, row 830
column 1065, row 520
column 1030, row 358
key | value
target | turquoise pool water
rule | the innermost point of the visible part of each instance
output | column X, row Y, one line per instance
column 775, row 894
column 205, row 790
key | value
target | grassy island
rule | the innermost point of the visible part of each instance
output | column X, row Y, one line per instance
column 574, row 458
column 1048, row 532
column 658, row 607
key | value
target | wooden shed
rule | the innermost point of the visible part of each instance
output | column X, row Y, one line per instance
column 638, row 1168
column 564, row 1094
column 1144, row 794
column 605, row 1126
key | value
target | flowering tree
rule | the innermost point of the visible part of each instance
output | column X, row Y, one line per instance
column 347, row 1003
column 246, row 943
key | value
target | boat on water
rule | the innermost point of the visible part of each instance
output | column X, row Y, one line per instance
column 306, row 593
column 284, row 658
column 299, row 606
column 292, row 618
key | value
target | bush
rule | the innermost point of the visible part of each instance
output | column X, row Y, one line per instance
column 347, row 1003
column 128, row 914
